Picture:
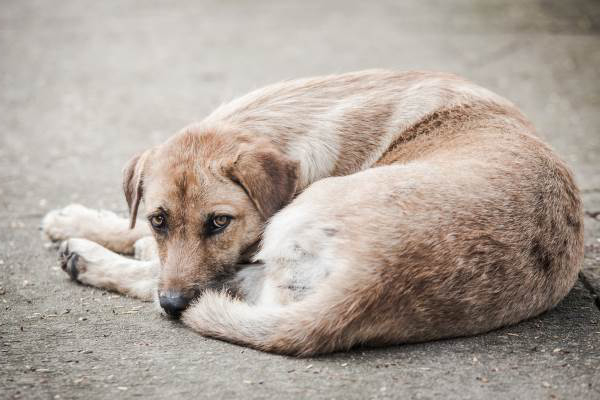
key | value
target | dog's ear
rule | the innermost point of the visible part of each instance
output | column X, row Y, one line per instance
column 267, row 175
column 133, row 184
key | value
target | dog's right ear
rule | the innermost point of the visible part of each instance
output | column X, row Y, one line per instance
column 133, row 184
column 267, row 175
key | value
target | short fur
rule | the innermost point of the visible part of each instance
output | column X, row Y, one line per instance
column 378, row 208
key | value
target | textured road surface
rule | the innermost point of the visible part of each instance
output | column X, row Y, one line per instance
column 84, row 85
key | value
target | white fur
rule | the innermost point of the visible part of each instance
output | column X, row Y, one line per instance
column 217, row 314
column 101, row 226
column 102, row 268
column 145, row 249
column 76, row 220
column 298, row 250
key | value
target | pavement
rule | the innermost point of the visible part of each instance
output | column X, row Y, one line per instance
column 85, row 84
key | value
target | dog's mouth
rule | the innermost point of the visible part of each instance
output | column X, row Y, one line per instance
column 175, row 302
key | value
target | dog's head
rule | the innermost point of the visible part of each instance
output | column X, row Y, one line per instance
column 206, row 196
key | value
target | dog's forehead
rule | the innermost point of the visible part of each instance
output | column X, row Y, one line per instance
column 195, row 142
column 185, row 172
column 186, row 159
column 178, row 177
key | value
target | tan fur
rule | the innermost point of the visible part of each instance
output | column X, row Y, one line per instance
column 425, row 207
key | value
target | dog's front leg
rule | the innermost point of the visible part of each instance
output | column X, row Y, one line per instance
column 103, row 227
column 91, row 264
column 145, row 249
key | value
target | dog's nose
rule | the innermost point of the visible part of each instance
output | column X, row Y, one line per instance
column 173, row 303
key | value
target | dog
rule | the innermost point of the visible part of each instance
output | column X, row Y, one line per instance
column 314, row 215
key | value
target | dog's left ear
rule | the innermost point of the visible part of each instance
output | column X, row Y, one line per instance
column 267, row 175
column 133, row 184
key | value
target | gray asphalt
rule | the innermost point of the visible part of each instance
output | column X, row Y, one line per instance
column 84, row 85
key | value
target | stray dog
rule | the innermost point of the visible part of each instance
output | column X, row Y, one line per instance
column 314, row 215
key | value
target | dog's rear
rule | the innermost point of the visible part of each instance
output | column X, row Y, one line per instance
column 470, row 223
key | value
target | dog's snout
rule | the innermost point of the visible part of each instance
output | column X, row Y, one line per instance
column 173, row 302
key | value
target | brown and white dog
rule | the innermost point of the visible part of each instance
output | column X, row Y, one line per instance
column 314, row 215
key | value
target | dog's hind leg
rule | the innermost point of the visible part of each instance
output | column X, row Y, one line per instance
column 89, row 263
column 103, row 227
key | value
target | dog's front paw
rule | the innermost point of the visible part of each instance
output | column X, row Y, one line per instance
column 86, row 262
column 145, row 249
column 70, row 261
column 65, row 223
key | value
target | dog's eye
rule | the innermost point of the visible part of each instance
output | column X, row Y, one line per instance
column 218, row 223
column 157, row 221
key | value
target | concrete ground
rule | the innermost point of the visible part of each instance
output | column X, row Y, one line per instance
column 84, row 85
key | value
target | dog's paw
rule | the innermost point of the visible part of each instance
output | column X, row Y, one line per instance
column 145, row 249
column 70, row 260
column 64, row 223
column 76, row 220
column 85, row 261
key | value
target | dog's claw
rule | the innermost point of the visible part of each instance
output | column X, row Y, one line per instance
column 68, row 260
column 72, row 266
column 63, row 253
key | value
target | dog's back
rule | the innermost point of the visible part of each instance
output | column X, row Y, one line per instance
column 341, row 124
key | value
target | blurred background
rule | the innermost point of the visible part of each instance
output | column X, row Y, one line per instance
column 86, row 84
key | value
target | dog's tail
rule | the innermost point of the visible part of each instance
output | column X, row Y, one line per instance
column 317, row 324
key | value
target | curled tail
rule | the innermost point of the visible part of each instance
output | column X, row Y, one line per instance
column 305, row 328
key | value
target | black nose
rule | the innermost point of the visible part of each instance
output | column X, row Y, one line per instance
column 173, row 303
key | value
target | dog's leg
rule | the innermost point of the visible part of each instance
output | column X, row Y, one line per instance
column 145, row 249
column 91, row 264
column 101, row 226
